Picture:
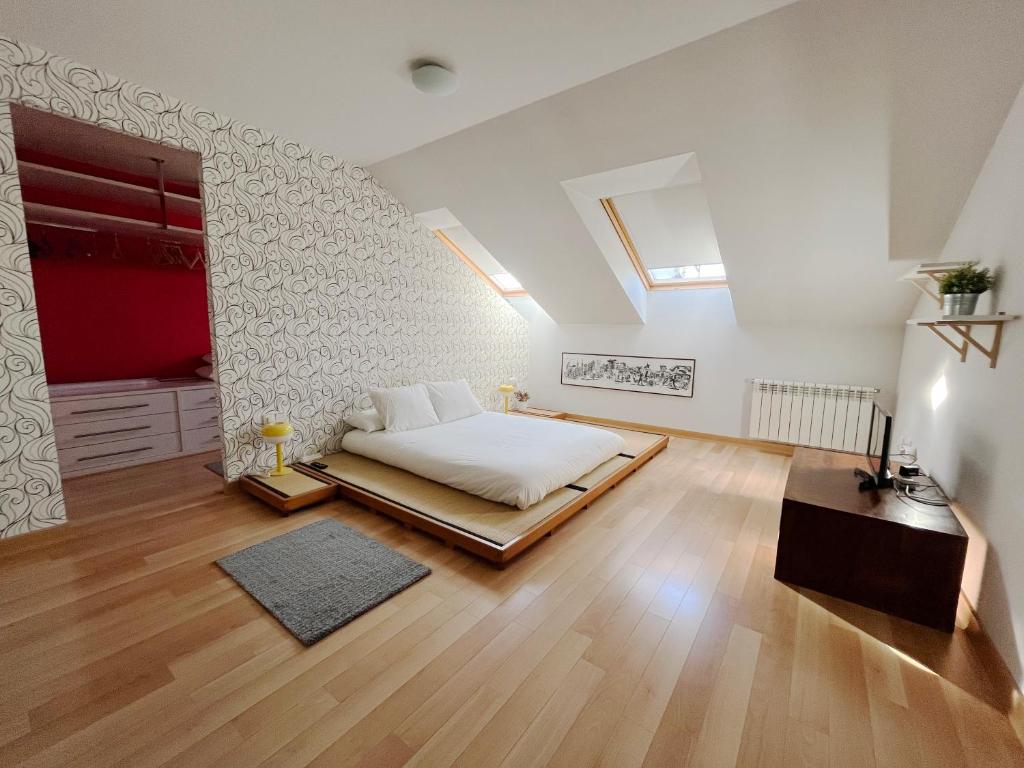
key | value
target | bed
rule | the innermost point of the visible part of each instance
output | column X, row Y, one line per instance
column 489, row 529
column 512, row 460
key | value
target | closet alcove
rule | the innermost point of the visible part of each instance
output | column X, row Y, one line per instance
column 115, row 231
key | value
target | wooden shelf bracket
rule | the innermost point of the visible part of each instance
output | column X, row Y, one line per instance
column 924, row 285
column 965, row 339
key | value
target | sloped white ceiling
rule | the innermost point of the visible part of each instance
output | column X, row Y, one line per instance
column 334, row 75
column 835, row 138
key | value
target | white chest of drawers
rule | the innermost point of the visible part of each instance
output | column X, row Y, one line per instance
column 113, row 425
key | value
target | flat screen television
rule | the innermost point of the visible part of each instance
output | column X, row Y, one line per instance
column 877, row 453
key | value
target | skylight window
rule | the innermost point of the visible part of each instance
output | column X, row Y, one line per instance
column 461, row 242
column 506, row 282
column 689, row 272
column 668, row 235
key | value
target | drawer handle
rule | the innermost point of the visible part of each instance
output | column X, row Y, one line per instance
column 115, row 453
column 111, row 408
column 113, row 431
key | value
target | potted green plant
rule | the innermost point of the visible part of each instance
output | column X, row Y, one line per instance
column 960, row 289
column 522, row 398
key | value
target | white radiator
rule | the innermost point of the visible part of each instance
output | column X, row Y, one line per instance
column 816, row 415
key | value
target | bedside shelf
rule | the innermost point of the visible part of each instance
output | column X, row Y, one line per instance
column 288, row 493
column 541, row 412
column 963, row 325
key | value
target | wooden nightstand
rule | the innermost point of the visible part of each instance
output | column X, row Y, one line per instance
column 542, row 412
column 288, row 493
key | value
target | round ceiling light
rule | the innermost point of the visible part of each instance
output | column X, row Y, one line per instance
column 435, row 80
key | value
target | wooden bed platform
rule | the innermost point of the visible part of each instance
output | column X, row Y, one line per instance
column 493, row 531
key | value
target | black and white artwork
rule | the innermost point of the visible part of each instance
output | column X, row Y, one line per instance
column 630, row 373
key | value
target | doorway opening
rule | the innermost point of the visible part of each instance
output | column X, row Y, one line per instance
column 118, row 256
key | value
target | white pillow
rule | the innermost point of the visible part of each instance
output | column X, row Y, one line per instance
column 453, row 400
column 404, row 408
column 368, row 420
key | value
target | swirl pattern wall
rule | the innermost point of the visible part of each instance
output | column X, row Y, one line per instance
column 322, row 284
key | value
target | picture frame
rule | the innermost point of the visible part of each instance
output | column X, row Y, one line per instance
column 668, row 376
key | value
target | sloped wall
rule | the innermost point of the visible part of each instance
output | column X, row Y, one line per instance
column 321, row 284
column 966, row 419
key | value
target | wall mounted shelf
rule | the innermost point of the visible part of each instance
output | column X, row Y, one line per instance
column 926, row 277
column 963, row 326
column 107, row 184
column 90, row 221
column 50, row 177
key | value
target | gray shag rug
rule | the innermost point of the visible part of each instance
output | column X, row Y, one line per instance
column 320, row 577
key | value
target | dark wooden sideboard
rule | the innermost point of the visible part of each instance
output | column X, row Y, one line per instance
column 871, row 547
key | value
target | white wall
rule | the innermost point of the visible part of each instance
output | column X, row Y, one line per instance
column 973, row 440
column 700, row 324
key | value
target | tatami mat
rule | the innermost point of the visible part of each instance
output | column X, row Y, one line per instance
column 636, row 442
column 607, row 469
column 498, row 523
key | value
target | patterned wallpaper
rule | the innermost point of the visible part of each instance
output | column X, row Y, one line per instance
column 322, row 284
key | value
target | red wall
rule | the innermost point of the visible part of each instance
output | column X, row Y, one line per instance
column 102, row 318
column 112, row 307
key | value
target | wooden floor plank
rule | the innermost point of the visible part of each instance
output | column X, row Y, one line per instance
column 684, row 712
column 541, row 739
column 932, row 719
column 602, row 714
column 810, row 687
column 851, row 739
column 804, row 746
column 719, row 742
column 648, row 630
column 489, row 746
column 771, row 612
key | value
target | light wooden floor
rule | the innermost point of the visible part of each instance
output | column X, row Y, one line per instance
column 647, row 631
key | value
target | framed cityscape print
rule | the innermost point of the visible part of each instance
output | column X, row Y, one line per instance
column 630, row 373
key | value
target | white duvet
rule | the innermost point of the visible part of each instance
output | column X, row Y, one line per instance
column 516, row 460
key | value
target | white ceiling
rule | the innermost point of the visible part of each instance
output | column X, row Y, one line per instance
column 334, row 74
column 835, row 139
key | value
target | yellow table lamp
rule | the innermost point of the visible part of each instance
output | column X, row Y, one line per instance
column 506, row 390
column 277, row 433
